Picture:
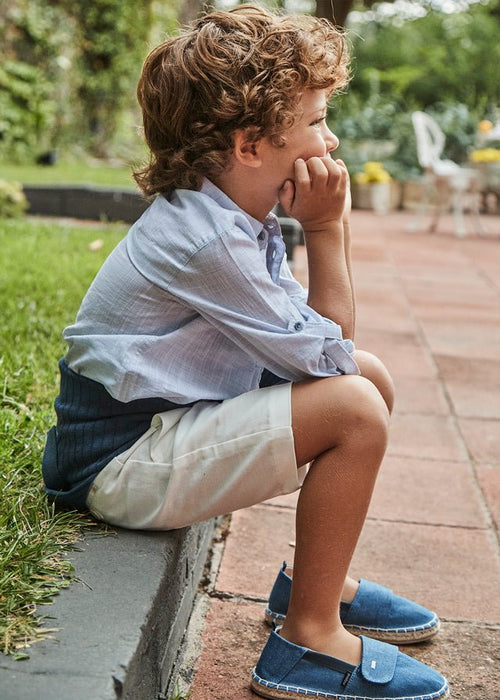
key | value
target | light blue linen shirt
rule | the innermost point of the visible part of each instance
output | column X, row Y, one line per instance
column 194, row 302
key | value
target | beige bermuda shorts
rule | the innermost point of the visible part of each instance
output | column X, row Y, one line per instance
column 201, row 461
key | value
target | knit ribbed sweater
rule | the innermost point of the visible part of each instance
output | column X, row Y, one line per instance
column 92, row 428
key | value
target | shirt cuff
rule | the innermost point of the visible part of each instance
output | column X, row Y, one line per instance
column 340, row 353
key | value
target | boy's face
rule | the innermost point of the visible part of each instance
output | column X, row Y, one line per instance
column 308, row 137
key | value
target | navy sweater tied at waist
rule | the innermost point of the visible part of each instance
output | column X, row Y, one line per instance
column 92, row 428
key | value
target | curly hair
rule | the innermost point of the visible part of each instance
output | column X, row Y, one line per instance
column 242, row 69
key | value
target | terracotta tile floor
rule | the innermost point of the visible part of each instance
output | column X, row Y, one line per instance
column 429, row 305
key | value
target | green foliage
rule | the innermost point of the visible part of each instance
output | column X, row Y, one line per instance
column 375, row 130
column 445, row 64
column 459, row 123
column 45, row 270
column 25, row 108
column 438, row 57
column 33, row 82
column 13, row 202
column 380, row 129
column 112, row 39
column 70, row 73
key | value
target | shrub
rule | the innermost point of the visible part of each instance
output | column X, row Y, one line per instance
column 112, row 38
column 25, row 109
column 69, row 72
column 380, row 129
column 375, row 129
column 13, row 202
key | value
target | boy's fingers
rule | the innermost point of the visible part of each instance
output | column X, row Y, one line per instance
column 301, row 174
column 318, row 167
column 326, row 173
column 286, row 195
column 314, row 171
column 325, row 167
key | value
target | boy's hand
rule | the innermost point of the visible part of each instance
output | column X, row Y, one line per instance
column 319, row 194
column 348, row 198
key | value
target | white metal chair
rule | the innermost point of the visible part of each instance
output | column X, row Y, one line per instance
column 449, row 184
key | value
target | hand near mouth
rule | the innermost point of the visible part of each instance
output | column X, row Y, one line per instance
column 319, row 194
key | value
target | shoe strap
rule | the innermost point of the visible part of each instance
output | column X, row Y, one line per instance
column 370, row 598
column 378, row 662
column 328, row 661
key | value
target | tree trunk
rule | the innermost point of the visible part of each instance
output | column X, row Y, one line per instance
column 334, row 10
column 191, row 9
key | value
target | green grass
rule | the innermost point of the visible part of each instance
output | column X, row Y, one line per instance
column 179, row 695
column 45, row 270
column 69, row 173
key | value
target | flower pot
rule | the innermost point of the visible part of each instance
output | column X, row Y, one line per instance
column 377, row 196
column 380, row 196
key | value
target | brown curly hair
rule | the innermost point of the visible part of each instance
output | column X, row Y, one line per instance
column 242, row 69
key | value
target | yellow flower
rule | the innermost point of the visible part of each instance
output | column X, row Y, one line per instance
column 486, row 155
column 373, row 172
column 484, row 126
column 361, row 178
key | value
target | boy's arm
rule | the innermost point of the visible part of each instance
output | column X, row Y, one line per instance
column 317, row 199
column 347, row 251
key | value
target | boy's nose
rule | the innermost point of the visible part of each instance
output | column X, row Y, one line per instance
column 331, row 141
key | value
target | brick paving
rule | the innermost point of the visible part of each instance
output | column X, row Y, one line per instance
column 428, row 305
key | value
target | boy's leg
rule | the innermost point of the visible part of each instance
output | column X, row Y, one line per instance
column 375, row 370
column 340, row 424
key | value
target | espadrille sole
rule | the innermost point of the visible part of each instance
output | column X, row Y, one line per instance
column 267, row 691
column 287, row 671
column 402, row 636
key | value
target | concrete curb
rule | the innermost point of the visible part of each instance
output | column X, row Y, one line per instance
column 121, row 624
column 93, row 203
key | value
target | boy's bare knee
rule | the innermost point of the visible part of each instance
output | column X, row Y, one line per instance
column 366, row 405
column 374, row 369
column 335, row 411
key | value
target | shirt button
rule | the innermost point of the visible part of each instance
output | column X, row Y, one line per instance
column 299, row 326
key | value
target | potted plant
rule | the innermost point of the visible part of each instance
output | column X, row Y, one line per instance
column 372, row 188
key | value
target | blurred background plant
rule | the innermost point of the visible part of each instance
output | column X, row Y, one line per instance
column 486, row 155
column 372, row 172
column 68, row 78
column 13, row 202
column 444, row 63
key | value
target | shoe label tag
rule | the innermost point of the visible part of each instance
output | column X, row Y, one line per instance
column 347, row 678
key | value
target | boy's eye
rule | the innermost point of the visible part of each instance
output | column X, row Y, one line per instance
column 318, row 122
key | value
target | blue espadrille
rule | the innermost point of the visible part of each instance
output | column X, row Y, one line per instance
column 376, row 612
column 286, row 671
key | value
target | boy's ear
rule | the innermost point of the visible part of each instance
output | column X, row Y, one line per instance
column 246, row 150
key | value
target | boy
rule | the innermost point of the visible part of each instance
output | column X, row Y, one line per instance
column 201, row 378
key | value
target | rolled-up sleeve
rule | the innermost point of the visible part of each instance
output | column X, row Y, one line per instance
column 228, row 284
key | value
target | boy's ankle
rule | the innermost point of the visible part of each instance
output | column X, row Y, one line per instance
column 340, row 644
column 348, row 592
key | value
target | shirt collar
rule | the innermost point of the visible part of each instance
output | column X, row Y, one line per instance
column 224, row 201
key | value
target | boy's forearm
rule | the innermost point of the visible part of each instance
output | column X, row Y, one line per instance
column 319, row 198
column 347, row 253
column 330, row 287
